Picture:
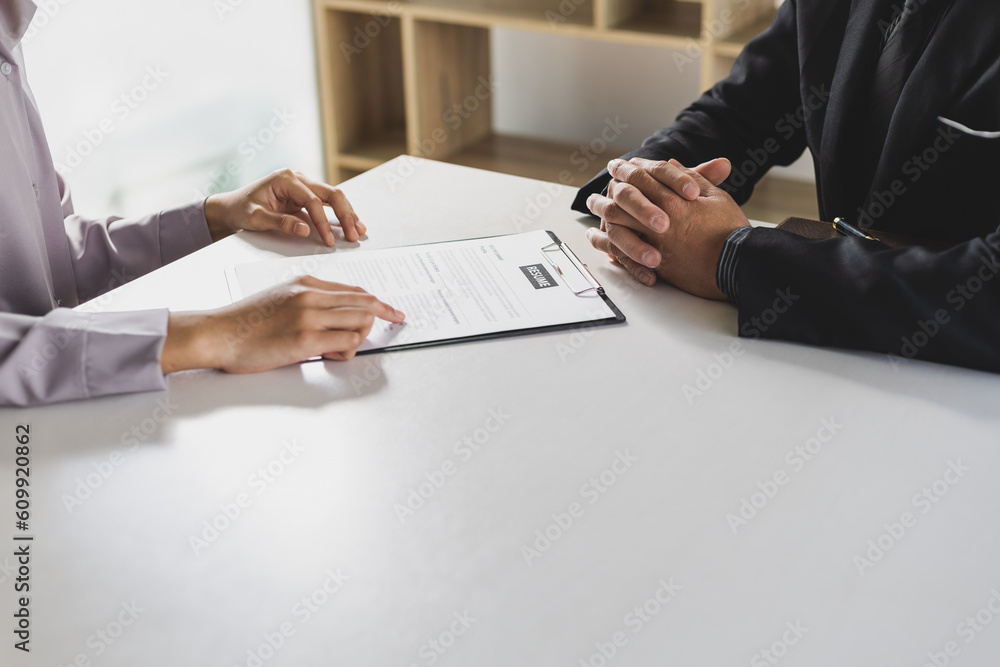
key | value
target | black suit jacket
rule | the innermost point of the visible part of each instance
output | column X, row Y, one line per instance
column 804, row 82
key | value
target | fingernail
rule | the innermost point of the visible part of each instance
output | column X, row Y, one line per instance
column 691, row 192
column 613, row 164
column 399, row 314
column 301, row 228
column 648, row 278
column 659, row 223
column 651, row 260
column 590, row 199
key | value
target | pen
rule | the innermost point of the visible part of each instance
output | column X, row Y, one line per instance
column 846, row 229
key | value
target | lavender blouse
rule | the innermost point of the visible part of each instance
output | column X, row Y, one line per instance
column 52, row 260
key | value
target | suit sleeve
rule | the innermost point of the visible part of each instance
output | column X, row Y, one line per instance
column 742, row 117
column 68, row 355
column 908, row 303
column 109, row 252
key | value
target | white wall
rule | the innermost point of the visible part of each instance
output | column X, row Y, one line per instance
column 225, row 65
column 564, row 88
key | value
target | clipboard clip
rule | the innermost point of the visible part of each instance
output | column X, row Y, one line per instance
column 559, row 246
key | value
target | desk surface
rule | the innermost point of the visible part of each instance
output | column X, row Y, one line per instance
column 543, row 500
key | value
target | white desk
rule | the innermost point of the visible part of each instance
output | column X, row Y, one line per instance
column 375, row 428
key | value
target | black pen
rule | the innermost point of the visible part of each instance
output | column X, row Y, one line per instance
column 845, row 229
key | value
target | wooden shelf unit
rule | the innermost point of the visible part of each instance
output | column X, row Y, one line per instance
column 413, row 76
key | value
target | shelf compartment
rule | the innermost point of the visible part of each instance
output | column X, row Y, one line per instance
column 531, row 158
column 550, row 13
column 365, row 107
column 369, row 154
column 452, row 104
column 673, row 18
column 344, row 174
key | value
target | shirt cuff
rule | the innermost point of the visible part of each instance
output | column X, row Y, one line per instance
column 69, row 355
column 725, row 273
column 182, row 231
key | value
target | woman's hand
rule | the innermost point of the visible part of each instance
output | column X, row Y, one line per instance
column 289, row 323
column 285, row 201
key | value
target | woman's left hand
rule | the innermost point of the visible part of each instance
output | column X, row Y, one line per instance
column 285, row 201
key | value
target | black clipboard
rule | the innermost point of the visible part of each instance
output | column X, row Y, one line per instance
column 576, row 277
column 590, row 284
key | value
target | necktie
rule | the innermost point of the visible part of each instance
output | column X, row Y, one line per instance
column 903, row 44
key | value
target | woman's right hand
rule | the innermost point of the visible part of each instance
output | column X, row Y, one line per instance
column 287, row 324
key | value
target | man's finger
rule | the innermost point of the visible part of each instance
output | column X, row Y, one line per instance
column 611, row 213
column 671, row 174
column 600, row 241
column 629, row 243
column 638, row 178
column 715, row 171
column 618, row 226
column 638, row 271
column 635, row 203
